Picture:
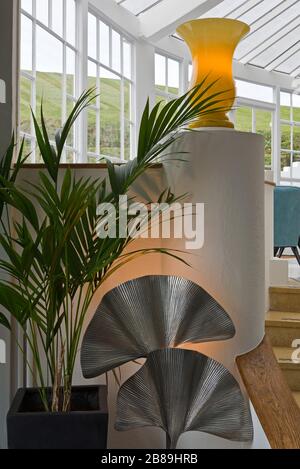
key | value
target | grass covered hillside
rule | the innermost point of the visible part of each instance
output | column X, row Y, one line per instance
column 49, row 89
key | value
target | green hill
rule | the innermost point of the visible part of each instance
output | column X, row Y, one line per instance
column 49, row 88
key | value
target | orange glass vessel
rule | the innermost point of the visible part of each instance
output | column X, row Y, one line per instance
column 212, row 42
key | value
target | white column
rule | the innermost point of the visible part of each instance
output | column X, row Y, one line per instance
column 277, row 137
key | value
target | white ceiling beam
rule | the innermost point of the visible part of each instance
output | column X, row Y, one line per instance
column 261, row 76
column 295, row 72
column 163, row 19
column 117, row 15
column 2, row 92
column 173, row 47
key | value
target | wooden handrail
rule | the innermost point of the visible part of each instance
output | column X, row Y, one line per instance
column 271, row 397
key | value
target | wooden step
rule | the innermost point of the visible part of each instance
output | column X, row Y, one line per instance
column 282, row 327
column 289, row 367
column 285, row 299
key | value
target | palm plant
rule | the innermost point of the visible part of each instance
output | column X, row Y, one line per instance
column 54, row 261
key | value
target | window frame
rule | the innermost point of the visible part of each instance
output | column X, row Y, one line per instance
column 291, row 123
column 123, row 79
column 32, row 77
column 165, row 95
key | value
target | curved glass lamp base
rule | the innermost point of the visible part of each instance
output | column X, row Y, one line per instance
column 212, row 123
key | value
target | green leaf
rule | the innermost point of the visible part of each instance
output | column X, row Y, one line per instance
column 4, row 321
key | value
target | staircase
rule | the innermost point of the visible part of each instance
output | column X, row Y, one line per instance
column 282, row 328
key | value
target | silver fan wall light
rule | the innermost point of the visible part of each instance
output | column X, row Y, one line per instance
column 181, row 390
column 177, row 390
column 147, row 314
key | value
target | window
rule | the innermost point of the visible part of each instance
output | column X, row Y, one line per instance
column 290, row 137
column 251, row 119
column 255, row 111
column 48, row 68
column 246, row 89
column 167, row 78
column 110, row 117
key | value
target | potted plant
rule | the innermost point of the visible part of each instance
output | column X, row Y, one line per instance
column 55, row 262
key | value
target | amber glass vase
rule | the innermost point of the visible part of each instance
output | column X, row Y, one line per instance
column 212, row 42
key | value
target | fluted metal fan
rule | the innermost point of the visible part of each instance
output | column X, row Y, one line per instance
column 147, row 314
column 181, row 390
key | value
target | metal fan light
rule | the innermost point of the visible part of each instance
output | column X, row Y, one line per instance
column 147, row 314
column 181, row 390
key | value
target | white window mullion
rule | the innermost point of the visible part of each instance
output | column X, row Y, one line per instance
column 81, row 77
column 50, row 6
column 98, row 113
column 122, row 121
column 133, row 104
column 122, row 105
column 33, row 84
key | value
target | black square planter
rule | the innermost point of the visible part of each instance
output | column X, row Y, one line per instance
column 85, row 427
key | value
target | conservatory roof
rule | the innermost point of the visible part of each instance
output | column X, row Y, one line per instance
column 273, row 43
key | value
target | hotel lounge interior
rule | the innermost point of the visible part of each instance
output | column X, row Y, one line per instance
column 150, row 224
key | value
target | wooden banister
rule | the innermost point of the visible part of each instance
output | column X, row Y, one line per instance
column 271, row 397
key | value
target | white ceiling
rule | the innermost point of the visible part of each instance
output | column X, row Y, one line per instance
column 274, row 41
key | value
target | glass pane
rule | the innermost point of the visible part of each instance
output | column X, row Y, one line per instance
column 249, row 90
column 286, row 137
column 243, row 120
column 296, row 108
column 93, row 159
column 42, row 11
column 173, row 76
column 92, row 36
column 285, row 106
column 264, row 127
column 71, row 136
column 127, row 142
column 127, row 100
column 92, row 130
column 127, row 59
column 116, row 51
column 49, row 78
column 57, row 16
column 70, row 69
column 26, row 44
column 110, row 114
column 27, row 5
column 160, row 72
column 25, row 101
column 296, row 138
column 70, row 156
column 71, row 21
column 92, row 78
column 285, row 163
column 104, row 44
column 27, row 150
